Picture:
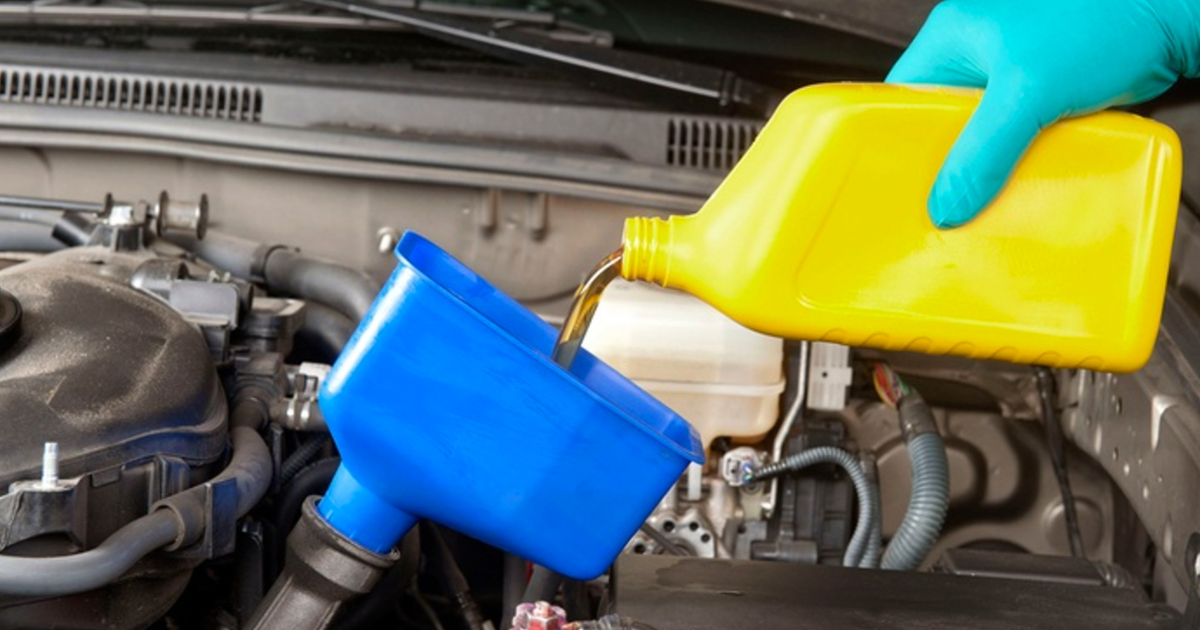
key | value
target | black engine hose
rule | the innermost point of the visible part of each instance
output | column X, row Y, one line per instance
column 170, row 523
column 543, row 586
column 251, row 466
column 325, row 330
column 16, row 236
column 72, row 229
column 76, row 573
column 53, row 228
column 513, row 588
column 311, row 480
column 346, row 290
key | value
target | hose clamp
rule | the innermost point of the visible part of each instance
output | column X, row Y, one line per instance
column 916, row 417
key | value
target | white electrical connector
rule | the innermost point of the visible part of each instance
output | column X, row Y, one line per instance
column 829, row 376
column 737, row 463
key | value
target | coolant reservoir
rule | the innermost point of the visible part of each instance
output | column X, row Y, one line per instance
column 723, row 377
column 821, row 233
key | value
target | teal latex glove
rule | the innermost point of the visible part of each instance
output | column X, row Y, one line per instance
column 1040, row 60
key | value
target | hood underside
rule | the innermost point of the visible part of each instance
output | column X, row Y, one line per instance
column 889, row 21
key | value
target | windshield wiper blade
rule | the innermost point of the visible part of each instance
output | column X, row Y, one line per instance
column 673, row 83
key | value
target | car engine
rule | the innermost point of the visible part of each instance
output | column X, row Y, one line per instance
column 163, row 354
column 166, row 420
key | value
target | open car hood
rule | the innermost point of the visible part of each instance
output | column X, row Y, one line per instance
column 889, row 21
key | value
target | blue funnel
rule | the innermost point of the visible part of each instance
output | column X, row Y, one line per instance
column 445, row 405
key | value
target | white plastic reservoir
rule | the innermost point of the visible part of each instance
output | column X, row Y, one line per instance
column 722, row 377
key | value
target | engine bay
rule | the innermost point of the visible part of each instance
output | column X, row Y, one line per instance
column 155, row 372
column 162, row 353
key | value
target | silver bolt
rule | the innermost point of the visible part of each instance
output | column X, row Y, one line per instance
column 121, row 215
column 388, row 237
column 50, row 464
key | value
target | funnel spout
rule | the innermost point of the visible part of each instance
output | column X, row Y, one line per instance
column 361, row 515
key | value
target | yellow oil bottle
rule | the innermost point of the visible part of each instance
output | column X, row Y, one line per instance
column 820, row 233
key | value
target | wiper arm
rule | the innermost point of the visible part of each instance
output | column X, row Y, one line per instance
column 674, row 83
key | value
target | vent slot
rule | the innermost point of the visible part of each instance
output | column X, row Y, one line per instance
column 196, row 99
column 706, row 143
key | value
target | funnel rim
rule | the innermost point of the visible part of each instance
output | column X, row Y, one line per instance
column 412, row 245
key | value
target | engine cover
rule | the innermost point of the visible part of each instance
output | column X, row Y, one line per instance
column 112, row 374
column 127, row 388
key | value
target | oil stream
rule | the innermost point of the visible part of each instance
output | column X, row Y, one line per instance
column 583, row 308
column 544, row 582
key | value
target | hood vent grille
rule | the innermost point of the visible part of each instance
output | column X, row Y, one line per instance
column 196, row 99
column 706, row 143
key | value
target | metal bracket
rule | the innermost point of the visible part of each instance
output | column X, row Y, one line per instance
column 32, row 509
column 213, row 526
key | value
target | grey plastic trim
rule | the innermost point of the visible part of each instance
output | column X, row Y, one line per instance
column 344, row 155
column 132, row 92
column 708, row 143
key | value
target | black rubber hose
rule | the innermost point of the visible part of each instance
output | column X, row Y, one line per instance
column 514, row 588
column 251, row 466
column 543, row 585
column 238, row 256
column 346, row 290
column 27, row 237
column 72, row 229
column 250, row 469
column 1058, row 457
column 311, row 480
column 76, row 573
column 42, row 217
column 576, row 601
column 325, row 330
column 39, row 204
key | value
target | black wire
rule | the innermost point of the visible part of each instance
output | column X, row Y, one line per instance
column 1058, row 457
column 451, row 577
column 302, row 457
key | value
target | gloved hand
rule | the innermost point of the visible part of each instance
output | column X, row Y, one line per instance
column 1040, row 60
